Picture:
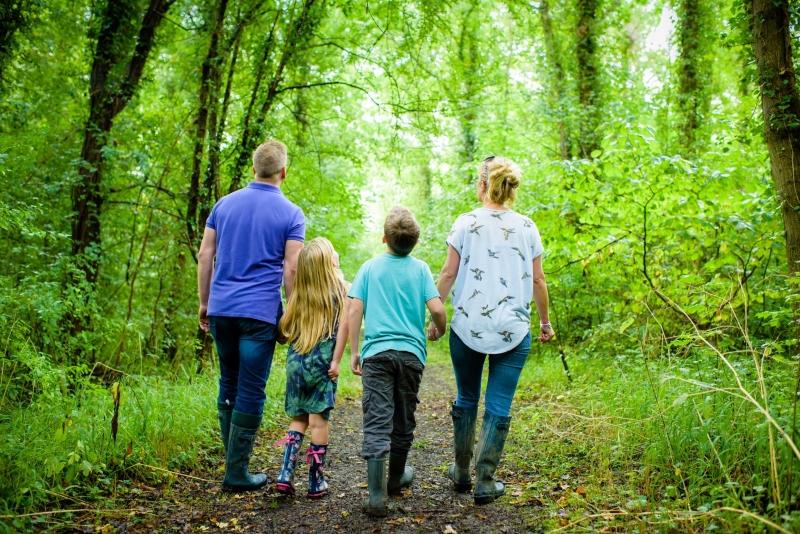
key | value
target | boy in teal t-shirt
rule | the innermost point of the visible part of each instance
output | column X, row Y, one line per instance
column 391, row 293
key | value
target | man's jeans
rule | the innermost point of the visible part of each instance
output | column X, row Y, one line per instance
column 245, row 348
column 504, row 371
column 391, row 385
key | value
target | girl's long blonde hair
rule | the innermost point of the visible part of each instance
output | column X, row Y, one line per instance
column 315, row 305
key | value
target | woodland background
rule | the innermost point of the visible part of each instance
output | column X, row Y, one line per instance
column 668, row 205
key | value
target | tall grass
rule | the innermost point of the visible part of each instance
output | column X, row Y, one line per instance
column 672, row 434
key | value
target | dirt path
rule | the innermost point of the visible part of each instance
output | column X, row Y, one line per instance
column 193, row 505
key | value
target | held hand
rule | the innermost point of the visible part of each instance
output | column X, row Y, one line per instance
column 355, row 363
column 202, row 315
column 281, row 337
column 333, row 371
column 433, row 332
column 546, row 334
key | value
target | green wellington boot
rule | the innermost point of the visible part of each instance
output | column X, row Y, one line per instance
column 224, row 412
column 244, row 428
column 400, row 475
column 490, row 447
column 376, row 482
column 463, row 442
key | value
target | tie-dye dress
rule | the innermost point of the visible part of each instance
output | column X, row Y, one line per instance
column 309, row 389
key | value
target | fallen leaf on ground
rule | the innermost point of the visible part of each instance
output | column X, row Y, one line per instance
column 448, row 529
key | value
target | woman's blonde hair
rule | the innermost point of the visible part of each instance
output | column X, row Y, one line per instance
column 315, row 305
column 501, row 176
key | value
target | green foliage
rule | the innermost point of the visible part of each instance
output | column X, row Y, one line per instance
column 395, row 103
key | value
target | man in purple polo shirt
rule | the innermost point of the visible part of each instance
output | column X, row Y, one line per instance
column 255, row 235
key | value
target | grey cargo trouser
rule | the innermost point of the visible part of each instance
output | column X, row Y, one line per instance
column 391, row 385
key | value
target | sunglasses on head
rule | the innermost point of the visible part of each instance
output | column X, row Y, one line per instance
column 485, row 168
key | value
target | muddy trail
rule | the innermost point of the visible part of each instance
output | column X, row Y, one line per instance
column 198, row 504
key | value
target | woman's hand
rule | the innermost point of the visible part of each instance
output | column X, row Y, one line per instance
column 433, row 332
column 355, row 363
column 546, row 333
column 333, row 371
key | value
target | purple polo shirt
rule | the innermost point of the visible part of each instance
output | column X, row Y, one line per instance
column 253, row 226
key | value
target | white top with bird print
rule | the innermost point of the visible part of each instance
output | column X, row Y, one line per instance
column 494, row 286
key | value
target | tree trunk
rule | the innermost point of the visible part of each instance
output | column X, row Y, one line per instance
column 209, row 79
column 781, row 106
column 14, row 16
column 692, row 72
column 558, row 92
column 302, row 26
column 110, row 88
column 469, row 57
column 588, row 86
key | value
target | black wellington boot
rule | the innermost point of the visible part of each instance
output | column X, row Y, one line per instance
column 463, row 442
column 376, row 482
column 244, row 428
column 400, row 475
column 490, row 447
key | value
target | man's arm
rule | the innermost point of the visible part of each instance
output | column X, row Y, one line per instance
column 541, row 298
column 205, row 266
column 439, row 317
column 291, row 252
column 354, row 315
column 341, row 340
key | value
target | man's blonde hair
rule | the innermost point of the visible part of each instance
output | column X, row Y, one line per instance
column 401, row 231
column 269, row 158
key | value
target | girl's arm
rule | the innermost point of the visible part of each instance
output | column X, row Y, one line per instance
column 354, row 316
column 341, row 341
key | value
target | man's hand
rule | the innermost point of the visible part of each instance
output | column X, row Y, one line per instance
column 546, row 334
column 433, row 332
column 202, row 315
column 333, row 371
column 280, row 337
column 355, row 363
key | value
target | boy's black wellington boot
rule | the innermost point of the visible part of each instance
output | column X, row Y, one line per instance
column 244, row 428
column 464, row 420
column 317, row 486
column 224, row 412
column 490, row 447
column 400, row 475
column 376, row 482
column 291, row 450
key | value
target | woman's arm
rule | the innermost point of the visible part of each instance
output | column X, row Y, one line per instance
column 541, row 298
column 449, row 272
column 447, row 278
column 341, row 341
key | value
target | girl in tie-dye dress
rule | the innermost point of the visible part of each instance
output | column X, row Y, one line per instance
column 312, row 326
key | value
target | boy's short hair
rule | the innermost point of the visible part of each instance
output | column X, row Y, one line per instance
column 269, row 158
column 401, row 231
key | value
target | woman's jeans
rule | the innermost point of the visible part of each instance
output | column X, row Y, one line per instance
column 245, row 348
column 504, row 371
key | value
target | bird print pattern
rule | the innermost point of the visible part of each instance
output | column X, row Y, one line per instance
column 492, row 295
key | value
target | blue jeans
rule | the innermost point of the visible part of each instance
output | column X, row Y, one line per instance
column 245, row 348
column 504, row 371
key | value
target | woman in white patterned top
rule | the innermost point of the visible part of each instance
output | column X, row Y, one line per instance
column 494, row 258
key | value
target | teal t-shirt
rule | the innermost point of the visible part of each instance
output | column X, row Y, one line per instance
column 395, row 291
